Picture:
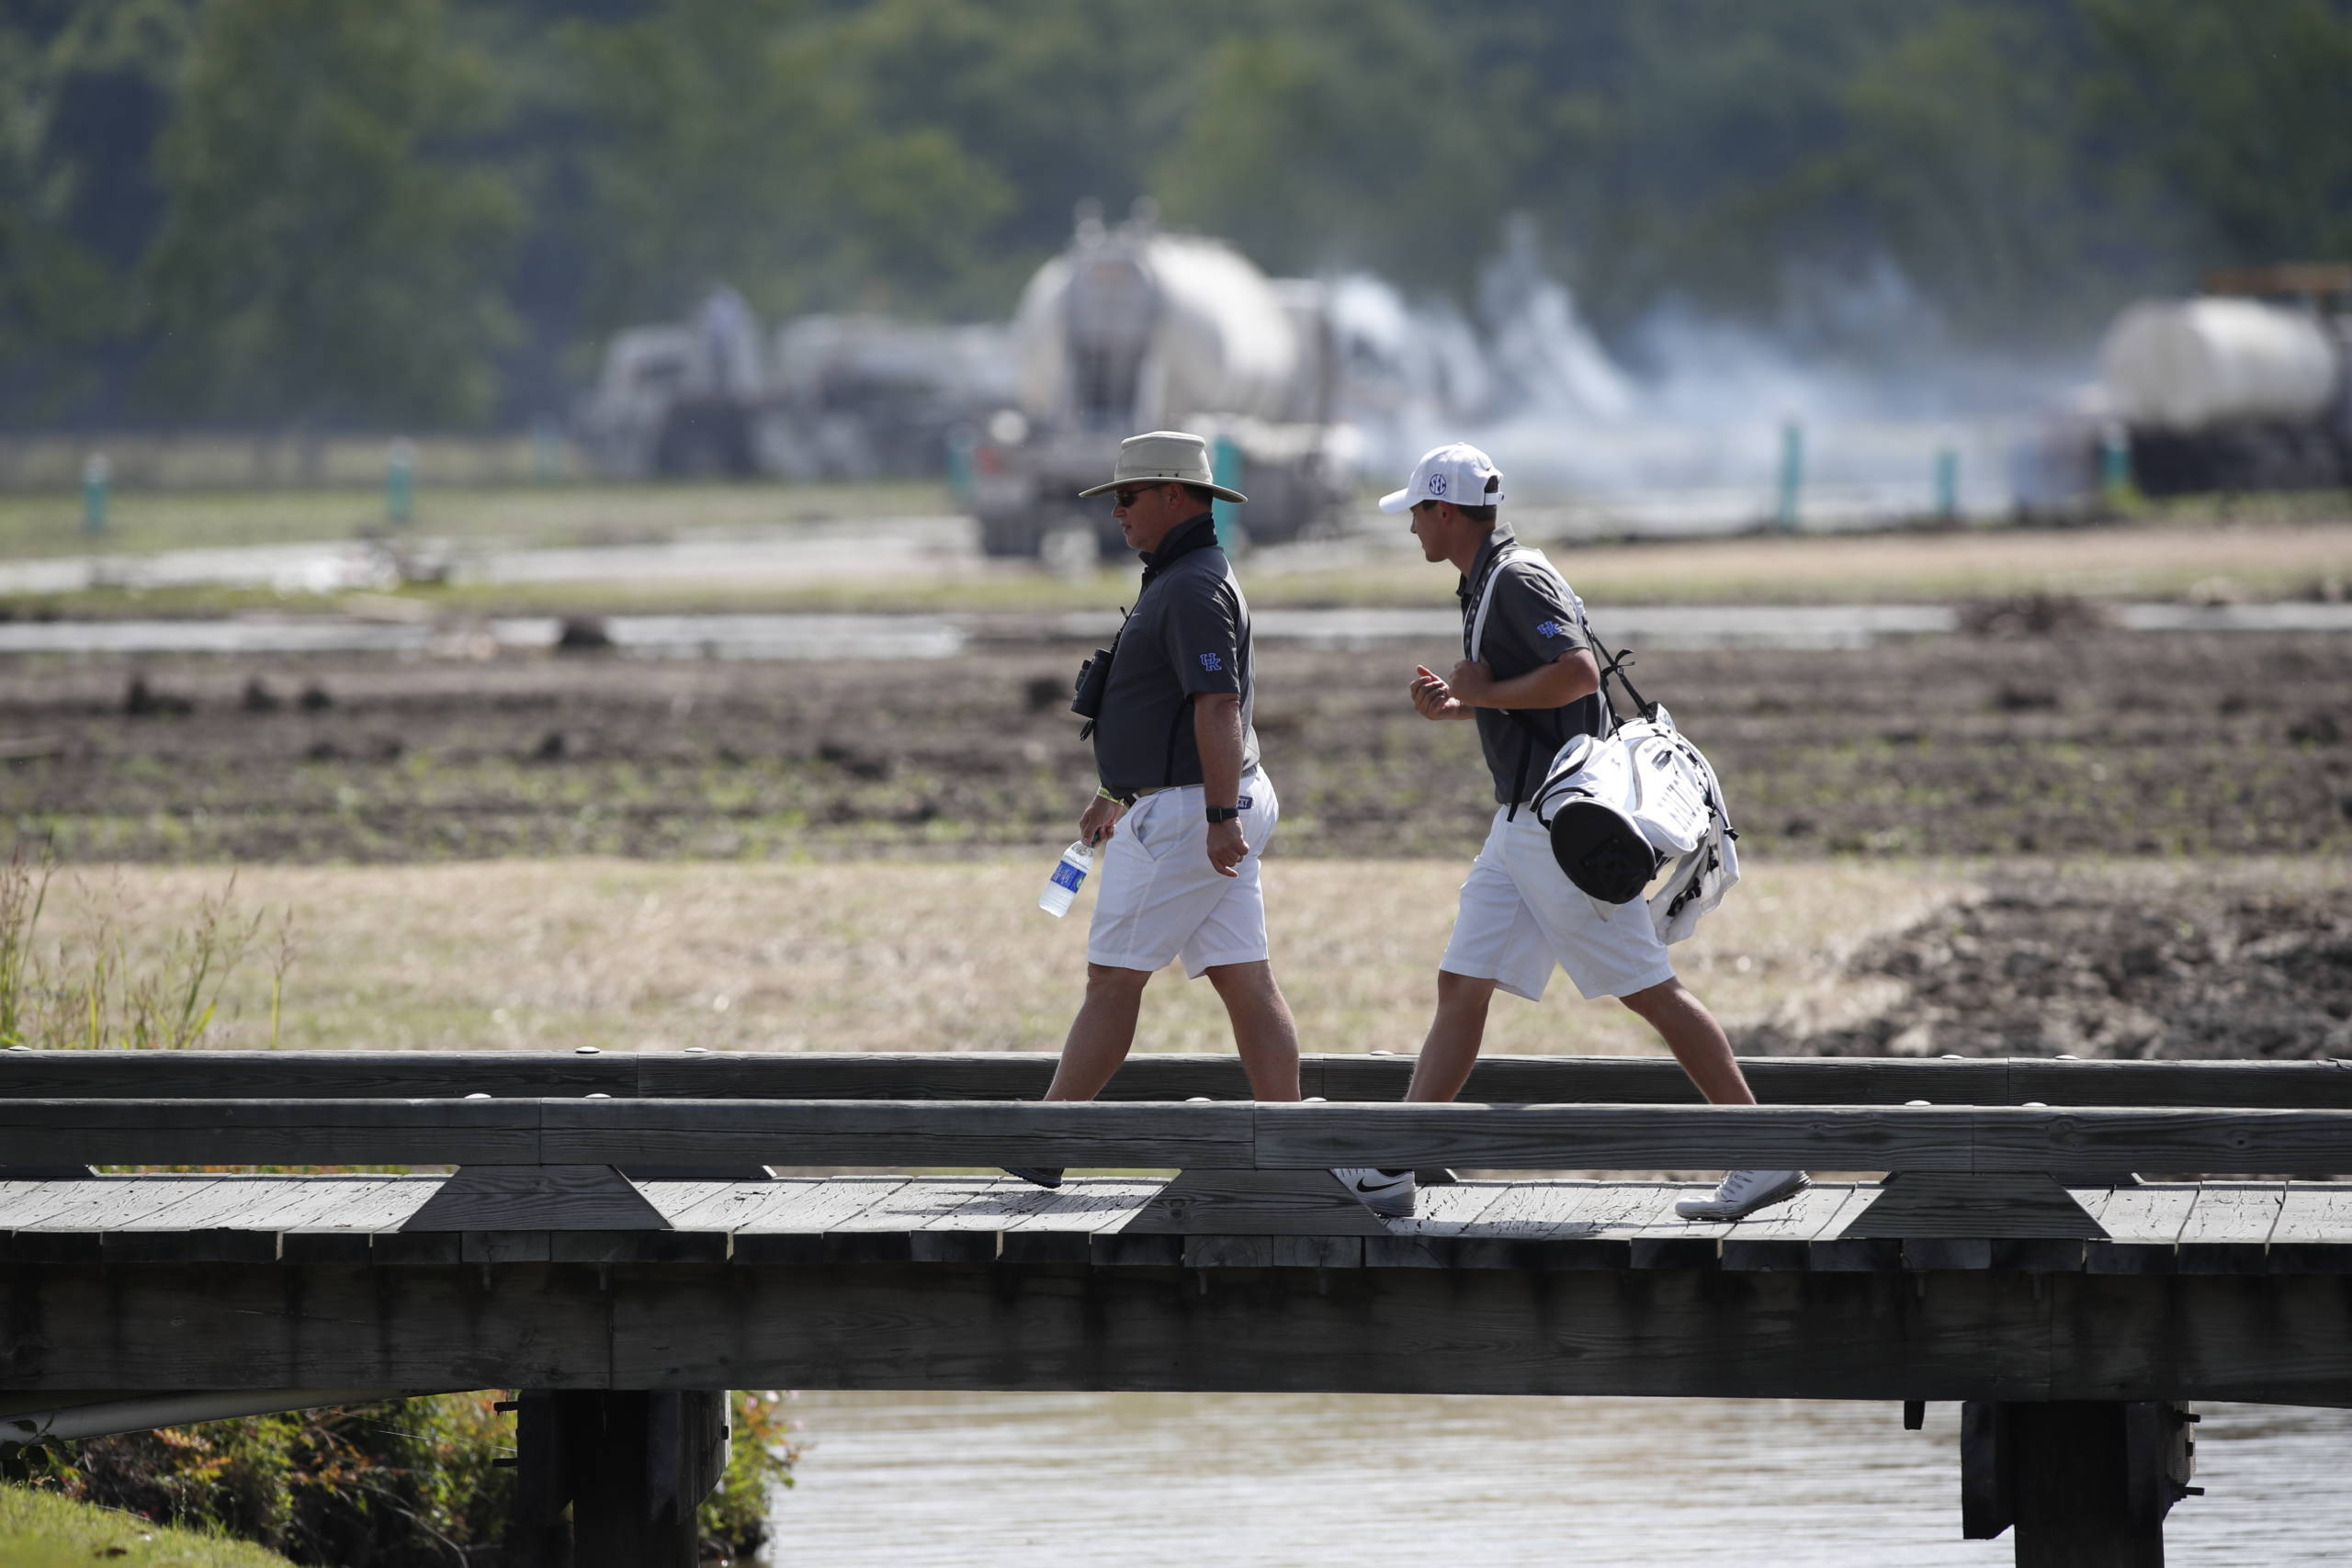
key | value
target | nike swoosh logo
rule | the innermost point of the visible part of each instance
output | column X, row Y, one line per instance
column 1363, row 1186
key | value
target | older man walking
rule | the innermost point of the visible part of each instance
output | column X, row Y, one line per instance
column 1183, row 809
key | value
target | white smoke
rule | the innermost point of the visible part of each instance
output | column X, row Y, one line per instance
column 1690, row 429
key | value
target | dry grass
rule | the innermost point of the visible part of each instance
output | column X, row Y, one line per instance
column 622, row 955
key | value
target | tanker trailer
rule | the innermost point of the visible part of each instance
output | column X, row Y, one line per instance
column 2230, row 394
column 1134, row 329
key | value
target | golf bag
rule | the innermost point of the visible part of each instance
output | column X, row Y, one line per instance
column 1624, row 806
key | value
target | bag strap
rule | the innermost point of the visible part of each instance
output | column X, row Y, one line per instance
column 1473, row 637
column 1613, row 668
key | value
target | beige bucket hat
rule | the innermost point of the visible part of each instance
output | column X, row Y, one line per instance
column 1163, row 456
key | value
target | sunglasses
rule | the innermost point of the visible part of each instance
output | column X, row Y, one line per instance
column 1126, row 498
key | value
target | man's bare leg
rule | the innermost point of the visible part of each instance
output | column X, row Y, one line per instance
column 1455, row 1034
column 1697, row 1041
column 1101, row 1034
column 1264, row 1031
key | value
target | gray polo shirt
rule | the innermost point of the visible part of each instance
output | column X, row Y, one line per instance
column 1529, row 622
column 1188, row 634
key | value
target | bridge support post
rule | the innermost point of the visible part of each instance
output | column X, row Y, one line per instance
column 2085, row 1484
column 632, row 1466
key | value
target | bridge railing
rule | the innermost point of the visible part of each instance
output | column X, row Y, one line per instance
column 898, row 1134
column 988, row 1075
column 561, row 1161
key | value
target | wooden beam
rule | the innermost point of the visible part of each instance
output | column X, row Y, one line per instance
column 1932, row 1138
column 974, row 1075
column 537, row 1198
column 1938, row 1204
column 898, row 1135
column 627, row 1507
column 989, row 1325
column 2070, row 1489
column 1987, row 1488
column 892, row 1134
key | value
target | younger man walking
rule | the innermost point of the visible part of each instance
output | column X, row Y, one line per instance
column 1529, row 681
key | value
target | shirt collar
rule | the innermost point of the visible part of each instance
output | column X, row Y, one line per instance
column 1502, row 536
column 1196, row 533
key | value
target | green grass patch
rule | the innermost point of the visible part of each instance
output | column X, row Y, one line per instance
column 39, row 1529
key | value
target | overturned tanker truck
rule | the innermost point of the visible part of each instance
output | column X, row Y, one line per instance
column 1133, row 328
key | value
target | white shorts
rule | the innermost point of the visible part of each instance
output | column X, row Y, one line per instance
column 1160, row 899
column 1520, row 914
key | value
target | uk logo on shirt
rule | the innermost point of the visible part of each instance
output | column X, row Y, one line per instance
column 1551, row 628
column 1210, row 661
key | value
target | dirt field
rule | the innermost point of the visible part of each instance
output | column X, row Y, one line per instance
column 2095, row 745
column 2234, row 958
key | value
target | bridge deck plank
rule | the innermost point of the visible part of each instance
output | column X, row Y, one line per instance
column 1554, row 1224
column 813, row 1207
column 2313, row 1219
column 73, row 1205
column 738, row 1204
column 1087, row 1206
column 2184, row 1227
column 2143, row 1227
column 1782, row 1236
column 228, row 1203
column 676, row 1199
column 2231, row 1213
column 2229, row 1227
column 356, row 1205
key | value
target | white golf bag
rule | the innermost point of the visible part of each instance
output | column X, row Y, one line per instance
column 1621, row 806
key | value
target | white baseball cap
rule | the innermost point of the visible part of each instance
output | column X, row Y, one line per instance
column 1459, row 473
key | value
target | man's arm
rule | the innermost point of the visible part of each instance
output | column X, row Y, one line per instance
column 1569, row 678
column 1216, row 730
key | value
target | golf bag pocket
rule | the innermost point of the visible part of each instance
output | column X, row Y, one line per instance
column 1621, row 807
column 1584, row 806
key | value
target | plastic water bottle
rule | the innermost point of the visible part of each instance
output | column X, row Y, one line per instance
column 1069, row 875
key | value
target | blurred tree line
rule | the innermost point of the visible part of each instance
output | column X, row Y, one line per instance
column 315, row 213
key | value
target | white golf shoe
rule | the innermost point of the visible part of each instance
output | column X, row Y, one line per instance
column 1389, row 1194
column 1743, row 1192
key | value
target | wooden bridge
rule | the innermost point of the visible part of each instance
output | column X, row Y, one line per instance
column 613, row 1244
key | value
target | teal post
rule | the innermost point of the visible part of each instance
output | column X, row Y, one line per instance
column 399, row 483
column 962, row 442
column 1947, row 485
column 1225, row 467
column 97, row 479
column 1791, row 476
column 2115, row 465
column 547, row 449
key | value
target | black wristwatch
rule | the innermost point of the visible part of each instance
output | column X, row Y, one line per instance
column 1223, row 814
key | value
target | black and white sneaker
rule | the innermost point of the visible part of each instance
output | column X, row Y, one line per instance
column 1042, row 1175
column 1389, row 1194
